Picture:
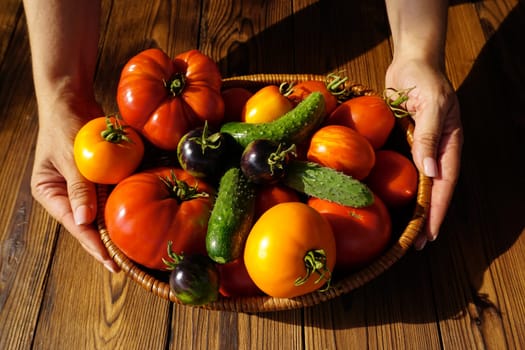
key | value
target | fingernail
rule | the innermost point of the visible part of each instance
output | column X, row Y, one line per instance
column 433, row 237
column 82, row 215
column 420, row 243
column 110, row 266
column 430, row 167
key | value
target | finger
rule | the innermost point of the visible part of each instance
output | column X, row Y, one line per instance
column 443, row 185
column 427, row 133
column 89, row 239
column 83, row 199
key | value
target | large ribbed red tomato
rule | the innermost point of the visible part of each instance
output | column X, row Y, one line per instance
column 148, row 209
column 164, row 98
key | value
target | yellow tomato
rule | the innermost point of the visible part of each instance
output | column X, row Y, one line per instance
column 106, row 151
column 265, row 105
column 290, row 251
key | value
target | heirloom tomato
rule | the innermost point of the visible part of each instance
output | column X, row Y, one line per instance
column 106, row 151
column 148, row 209
column 342, row 148
column 394, row 178
column 235, row 281
column 164, row 98
column 361, row 234
column 290, row 251
column 368, row 115
column 270, row 195
column 305, row 88
column 234, row 100
column 267, row 104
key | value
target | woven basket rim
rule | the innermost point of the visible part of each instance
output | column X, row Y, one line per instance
column 255, row 304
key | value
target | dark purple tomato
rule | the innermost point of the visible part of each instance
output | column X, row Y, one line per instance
column 204, row 154
column 264, row 161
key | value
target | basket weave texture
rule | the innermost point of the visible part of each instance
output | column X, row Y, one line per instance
column 265, row 303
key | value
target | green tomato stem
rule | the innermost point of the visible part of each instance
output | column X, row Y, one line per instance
column 181, row 190
column 315, row 261
column 115, row 132
column 177, row 84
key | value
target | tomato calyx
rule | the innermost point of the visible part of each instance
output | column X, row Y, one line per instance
column 395, row 99
column 175, row 258
column 181, row 190
column 115, row 132
column 315, row 261
column 205, row 140
column 176, row 84
column 278, row 160
column 335, row 85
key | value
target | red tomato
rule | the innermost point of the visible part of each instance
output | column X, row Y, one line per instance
column 394, row 178
column 235, row 280
column 268, row 196
column 301, row 90
column 148, row 209
column 106, row 151
column 265, row 105
column 361, row 235
column 290, row 251
column 369, row 115
column 234, row 100
column 343, row 149
column 165, row 98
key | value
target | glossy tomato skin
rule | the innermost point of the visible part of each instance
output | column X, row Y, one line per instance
column 102, row 161
column 277, row 244
column 361, row 234
column 270, row 195
column 234, row 100
column 342, row 148
column 235, row 280
column 301, row 90
column 266, row 105
column 164, row 98
column 142, row 214
column 394, row 178
column 368, row 115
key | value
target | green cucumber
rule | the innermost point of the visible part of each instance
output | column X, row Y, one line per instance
column 326, row 183
column 231, row 217
column 293, row 127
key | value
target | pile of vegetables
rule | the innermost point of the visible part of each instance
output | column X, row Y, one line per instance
column 268, row 192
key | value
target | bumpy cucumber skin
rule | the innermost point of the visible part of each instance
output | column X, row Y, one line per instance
column 322, row 182
column 231, row 217
column 293, row 127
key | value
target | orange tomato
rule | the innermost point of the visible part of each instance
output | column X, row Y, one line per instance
column 394, row 178
column 278, row 245
column 301, row 90
column 361, row 234
column 368, row 115
column 342, row 148
column 106, row 151
column 265, row 105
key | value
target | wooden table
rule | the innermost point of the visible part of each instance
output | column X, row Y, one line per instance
column 465, row 291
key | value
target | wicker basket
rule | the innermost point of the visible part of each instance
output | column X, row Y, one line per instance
column 397, row 249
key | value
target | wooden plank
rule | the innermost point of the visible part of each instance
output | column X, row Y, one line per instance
column 473, row 218
column 96, row 309
column 27, row 235
column 246, row 37
column 9, row 17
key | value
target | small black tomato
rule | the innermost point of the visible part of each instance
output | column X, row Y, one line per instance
column 264, row 161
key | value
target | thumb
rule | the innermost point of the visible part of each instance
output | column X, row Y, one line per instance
column 427, row 134
column 83, row 199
